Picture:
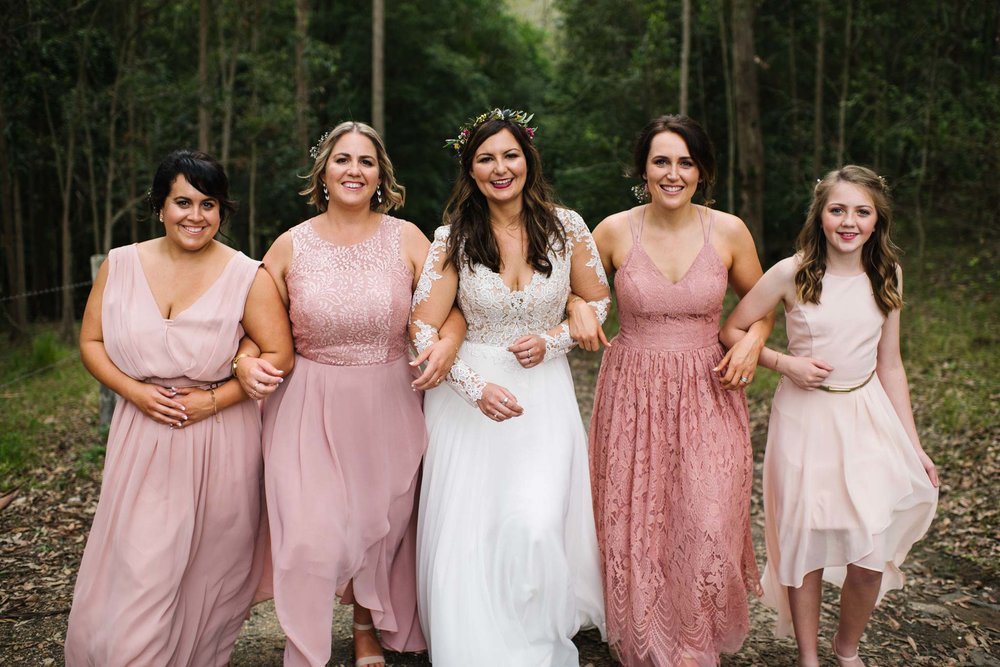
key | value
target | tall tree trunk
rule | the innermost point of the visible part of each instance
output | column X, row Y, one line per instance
column 817, row 165
column 13, row 245
column 254, row 110
column 727, row 77
column 378, row 66
column 845, row 84
column 133, row 217
column 229, row 53
column 65, row 167
column 301, row 74
column 750, row 142
column 204, row 94
column 793, row 95
column 95, row 216
column 20, row 284
column 685, row 53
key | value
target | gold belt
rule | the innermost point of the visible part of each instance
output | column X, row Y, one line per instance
column 847, row 390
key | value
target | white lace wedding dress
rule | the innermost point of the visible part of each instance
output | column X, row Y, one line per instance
column 507, row 559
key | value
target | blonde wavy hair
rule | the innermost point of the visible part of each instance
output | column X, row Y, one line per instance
column 393, row 193
column 880, row 256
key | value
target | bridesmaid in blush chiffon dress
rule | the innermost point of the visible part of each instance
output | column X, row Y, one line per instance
column 344, row 434
column 177, row 547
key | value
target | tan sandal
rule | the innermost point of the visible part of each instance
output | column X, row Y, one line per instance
column 372, row 659
column 853, row 661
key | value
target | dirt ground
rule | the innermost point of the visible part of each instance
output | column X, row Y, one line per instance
column 949, row 613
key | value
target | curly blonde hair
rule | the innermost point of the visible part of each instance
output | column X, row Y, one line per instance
column 879, row 255
column 393, row 193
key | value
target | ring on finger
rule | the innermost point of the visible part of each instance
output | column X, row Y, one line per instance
column 744, row 379
column 496, row 415
column 504, row 400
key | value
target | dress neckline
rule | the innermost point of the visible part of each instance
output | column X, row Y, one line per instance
column 374, row 234
column 706, row 243
column 198, row 299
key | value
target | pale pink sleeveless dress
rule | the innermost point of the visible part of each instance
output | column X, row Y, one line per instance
column 842, row 482
column 343, row 440
column 176, row 550
column 671, row 468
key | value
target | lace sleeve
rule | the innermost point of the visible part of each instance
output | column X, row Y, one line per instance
column 587, row 279
column 432, row 301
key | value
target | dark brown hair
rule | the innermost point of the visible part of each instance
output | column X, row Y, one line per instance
column 698, row 143
column 879, row 255
column 203, row 173
column 471, row 239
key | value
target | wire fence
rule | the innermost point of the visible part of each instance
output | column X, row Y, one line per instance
column 49, row 290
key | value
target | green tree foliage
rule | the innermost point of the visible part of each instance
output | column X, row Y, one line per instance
column 97, row 91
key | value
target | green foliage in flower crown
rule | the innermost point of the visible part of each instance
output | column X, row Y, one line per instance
column 519, row 117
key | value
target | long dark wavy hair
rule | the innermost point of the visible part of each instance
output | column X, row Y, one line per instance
column 471, row 239
column 879, row 255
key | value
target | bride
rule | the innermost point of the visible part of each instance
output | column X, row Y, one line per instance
column 507, row 561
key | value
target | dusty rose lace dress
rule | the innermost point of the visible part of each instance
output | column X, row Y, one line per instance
column 671, row 468
column 343, row 439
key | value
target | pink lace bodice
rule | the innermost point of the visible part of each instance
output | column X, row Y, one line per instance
column 656, row 314
column 349, row 305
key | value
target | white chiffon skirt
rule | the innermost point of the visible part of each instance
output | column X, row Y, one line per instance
column 507, row 558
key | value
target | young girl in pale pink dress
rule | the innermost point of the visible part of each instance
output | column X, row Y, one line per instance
column 847, row 487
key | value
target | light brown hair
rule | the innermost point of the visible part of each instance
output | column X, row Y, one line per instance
column 393, row 194
column 879, row 255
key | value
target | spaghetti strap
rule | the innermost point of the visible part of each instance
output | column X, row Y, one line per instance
column 636, row 229
column 706, row 231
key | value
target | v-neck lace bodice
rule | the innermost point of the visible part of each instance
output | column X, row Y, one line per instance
column 658, row 314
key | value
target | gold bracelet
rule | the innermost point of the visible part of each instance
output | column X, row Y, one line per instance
column 236, row 361
column 215, row 405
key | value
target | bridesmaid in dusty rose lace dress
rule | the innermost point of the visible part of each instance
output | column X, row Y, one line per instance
column 344, row 434
column 177, row 548
column 670, row 445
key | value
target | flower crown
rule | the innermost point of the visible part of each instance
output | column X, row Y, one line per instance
column 518, row 117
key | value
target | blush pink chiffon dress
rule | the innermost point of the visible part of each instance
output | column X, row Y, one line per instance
column 672, row 469
column 177, row 547
column 343, row 440
column 842, row 482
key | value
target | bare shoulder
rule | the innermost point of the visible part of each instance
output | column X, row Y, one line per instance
column 613, row 228
column 412, row 235
column 786, row 268
column 729, row 227
column 279, row 255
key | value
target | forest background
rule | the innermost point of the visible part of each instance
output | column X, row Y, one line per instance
column 93, row 94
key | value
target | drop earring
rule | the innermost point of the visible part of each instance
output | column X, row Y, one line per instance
column 326, row 193
column 378, row 194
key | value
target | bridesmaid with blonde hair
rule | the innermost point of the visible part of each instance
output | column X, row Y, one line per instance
column 344, row 435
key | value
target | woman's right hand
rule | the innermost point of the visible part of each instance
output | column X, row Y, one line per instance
column 498, row 404
column 158, row 404
column 258, row 377
column 807, row 373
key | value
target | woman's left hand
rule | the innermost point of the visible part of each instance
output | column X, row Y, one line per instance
column 440, row 357
column 528, row 350
column 737, row 368
column 198, row 404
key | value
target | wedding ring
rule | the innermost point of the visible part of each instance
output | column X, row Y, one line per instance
column 496, row 415
column 504, row 400
column 744, row 379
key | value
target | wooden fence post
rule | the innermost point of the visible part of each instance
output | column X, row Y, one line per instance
column 108, row 398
